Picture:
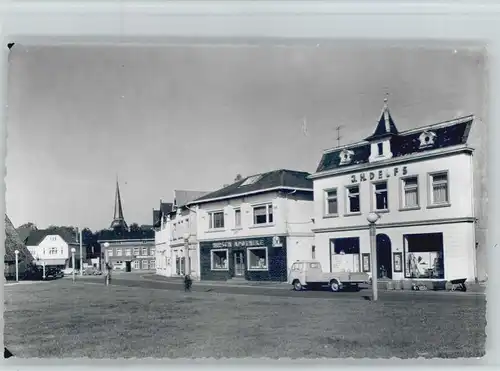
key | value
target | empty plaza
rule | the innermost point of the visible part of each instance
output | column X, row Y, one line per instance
column 138, row 318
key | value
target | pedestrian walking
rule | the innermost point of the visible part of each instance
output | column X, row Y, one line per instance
column 107, row 274
column 188, row 282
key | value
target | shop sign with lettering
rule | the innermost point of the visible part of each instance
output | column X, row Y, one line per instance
column 379, row 174
column 238, row 243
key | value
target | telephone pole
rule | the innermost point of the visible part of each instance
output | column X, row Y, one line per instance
column 338, row 135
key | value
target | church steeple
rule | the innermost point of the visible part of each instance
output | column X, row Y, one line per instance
column 118, row 219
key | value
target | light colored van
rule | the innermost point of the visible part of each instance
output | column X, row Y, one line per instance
column 309, row 274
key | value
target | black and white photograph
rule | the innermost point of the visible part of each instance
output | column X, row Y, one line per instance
column 228, row 200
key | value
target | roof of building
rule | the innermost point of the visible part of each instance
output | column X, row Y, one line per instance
column 37, row 236
column 282, row 178
column 165, row 209
column 13, row 242
column 24, row 232
column 385, row 126
column 447, row 134
column 183, row 198
column 156, row 216
column 111, row 235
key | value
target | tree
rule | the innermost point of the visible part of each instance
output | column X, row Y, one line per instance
column 29, row 225
column 238, row 178
column 68, row 230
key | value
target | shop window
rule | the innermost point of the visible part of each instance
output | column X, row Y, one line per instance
column 263, row 214
column 237, row 218
column 257, row 258
column 332, row 204
column 118, row 252
column 424, row 255
column 410, row 192
column 353, row 200
column 216, row 220
column 381, row 199
column 439, row 190
column 219, row 259
column 345, row 256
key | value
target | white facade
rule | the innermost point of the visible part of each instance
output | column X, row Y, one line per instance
column 54, row 250
column 170, row 244
column 429, row 197
column 291, row 218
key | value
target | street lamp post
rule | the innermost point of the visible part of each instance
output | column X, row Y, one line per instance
column 372, row 219
column 187, row 265
column 43, row 269
column 81, row 251
column 73, row 261
column 16, row 252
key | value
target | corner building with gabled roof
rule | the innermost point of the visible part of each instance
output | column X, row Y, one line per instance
column 421, row 184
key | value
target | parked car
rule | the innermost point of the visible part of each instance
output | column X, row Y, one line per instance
column 53, row 272
column 92, row 271
column 309, row 274
column 67, row 271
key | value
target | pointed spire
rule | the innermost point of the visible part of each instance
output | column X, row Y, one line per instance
column 385, row 126
column 118, row 219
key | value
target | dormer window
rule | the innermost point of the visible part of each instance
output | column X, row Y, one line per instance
column 346, row 156
column 380, row 150
column 427, row 139
column 251, row 180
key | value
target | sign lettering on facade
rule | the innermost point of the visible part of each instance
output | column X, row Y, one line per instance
column 241, row 243
column 379, row 174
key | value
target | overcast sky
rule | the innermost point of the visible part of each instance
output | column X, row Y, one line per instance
column 164, row 118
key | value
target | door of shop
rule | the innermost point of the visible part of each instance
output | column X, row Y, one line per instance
column 239, row 264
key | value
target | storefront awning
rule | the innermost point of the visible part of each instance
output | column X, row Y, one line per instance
column 51, row 262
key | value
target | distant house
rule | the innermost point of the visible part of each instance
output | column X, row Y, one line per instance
column 53, row 249
column 12, row 243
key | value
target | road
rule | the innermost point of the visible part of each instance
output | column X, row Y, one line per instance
column 134, row 280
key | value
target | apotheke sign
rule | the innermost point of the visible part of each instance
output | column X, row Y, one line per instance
column 379, row 174
column 238, row 243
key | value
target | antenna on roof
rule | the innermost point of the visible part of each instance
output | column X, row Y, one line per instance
column 338, row 134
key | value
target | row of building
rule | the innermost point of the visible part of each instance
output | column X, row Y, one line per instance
column 420, row 182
